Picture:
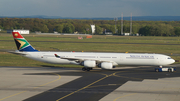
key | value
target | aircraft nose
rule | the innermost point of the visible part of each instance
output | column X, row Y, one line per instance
column 172, row 61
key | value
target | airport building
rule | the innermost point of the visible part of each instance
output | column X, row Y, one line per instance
column 21, row 31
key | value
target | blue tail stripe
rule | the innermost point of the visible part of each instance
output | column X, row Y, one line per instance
column 29, row 48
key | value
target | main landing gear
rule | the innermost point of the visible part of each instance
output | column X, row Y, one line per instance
column 88, row 69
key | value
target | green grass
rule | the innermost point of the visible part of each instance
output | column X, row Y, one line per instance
column 109, row 44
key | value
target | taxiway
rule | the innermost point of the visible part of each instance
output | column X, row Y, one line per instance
column 66, row 84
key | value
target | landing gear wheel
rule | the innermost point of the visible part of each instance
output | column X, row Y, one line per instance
column 84, row 69
column 169, row 70
column 88, row 69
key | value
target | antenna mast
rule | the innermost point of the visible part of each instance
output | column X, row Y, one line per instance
column 122, row 24
column 131, row 25
column 115, row 19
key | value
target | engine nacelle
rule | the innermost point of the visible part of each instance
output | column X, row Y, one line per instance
column 106, row 65
column 89, row 63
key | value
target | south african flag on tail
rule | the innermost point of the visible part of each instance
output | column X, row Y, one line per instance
column 21, row 43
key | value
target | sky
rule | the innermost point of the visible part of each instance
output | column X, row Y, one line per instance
column 90, row 8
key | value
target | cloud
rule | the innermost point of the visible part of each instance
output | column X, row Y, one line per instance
column 89, row 8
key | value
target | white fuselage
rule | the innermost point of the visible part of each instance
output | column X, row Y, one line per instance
column 114, row 58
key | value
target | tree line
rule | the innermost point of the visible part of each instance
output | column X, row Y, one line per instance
column 146, row 28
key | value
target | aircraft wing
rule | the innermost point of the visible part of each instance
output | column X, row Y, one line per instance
column 65, row 57
column 71, row 59
column 81, row 60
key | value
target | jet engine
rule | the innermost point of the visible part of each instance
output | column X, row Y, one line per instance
column 106, row 65
column 89, row 63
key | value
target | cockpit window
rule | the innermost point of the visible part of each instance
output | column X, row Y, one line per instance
column 169, row 58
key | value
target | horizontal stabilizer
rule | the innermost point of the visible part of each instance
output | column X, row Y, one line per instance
column 16, row 52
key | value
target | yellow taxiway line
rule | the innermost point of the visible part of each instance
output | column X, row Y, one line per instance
column 124, row 96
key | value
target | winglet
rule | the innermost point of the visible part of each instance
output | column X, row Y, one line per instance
column 21, row 43
column 57, row 56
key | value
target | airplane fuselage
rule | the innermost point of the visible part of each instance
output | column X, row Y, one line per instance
column 114, row 58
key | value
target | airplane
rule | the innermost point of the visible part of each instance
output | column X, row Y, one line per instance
column 89, row 60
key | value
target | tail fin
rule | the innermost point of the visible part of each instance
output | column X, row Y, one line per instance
column 21, row 43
